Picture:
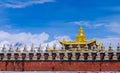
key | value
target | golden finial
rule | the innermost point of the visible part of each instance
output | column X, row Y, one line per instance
column 80, row 37
column 80, row 31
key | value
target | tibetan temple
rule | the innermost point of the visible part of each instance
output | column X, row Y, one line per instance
column 77, row 55
column 80, row 42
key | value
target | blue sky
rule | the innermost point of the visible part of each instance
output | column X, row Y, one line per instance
column 100, row 19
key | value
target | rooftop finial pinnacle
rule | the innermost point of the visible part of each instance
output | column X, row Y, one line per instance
column 80, row 31
column 80, row 26
column 80, row 37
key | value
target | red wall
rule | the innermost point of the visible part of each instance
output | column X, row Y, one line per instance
column 60, row 66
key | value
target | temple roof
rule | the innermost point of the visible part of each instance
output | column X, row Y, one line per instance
column 64, row 42
column 80, row 39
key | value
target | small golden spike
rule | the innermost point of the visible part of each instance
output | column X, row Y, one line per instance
column 80, row 32
column 80, row 37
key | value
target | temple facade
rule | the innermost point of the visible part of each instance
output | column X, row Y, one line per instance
column 76, row 55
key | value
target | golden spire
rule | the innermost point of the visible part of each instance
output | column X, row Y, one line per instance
column 80, row 37
column 80, row 31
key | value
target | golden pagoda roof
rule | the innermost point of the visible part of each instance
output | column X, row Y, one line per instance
column 64, row 42
column 80, row 39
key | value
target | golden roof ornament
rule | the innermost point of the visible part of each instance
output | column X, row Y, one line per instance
column 80, row 37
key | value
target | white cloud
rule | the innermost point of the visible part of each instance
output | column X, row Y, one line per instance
column 109, row 25
column 89, row 24
column 114, row 27
column 22, row 3
column 62, row 37
column 99, row 25
column 22, row 38
column 85, row 23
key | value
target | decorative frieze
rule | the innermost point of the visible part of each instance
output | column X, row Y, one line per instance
column 84, row 54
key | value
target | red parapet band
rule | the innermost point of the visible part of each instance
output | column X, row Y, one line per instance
column 60, row 66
